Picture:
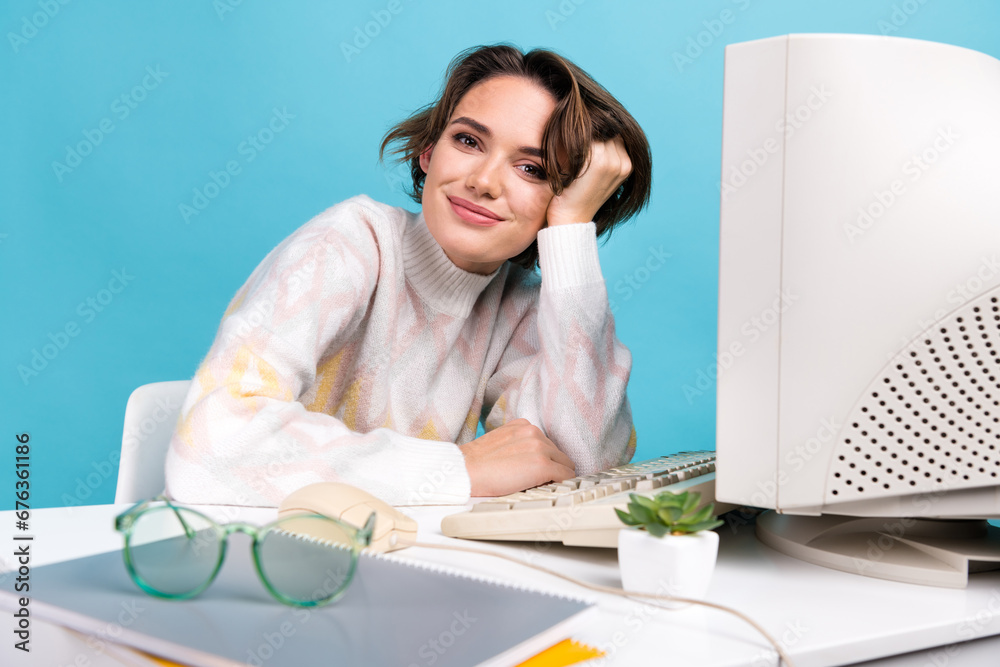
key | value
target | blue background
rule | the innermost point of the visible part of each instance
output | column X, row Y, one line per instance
column 224, row 68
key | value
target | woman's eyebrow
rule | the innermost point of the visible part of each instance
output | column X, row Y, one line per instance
column 485, row 131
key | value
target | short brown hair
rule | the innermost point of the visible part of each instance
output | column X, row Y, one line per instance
column 584, row 113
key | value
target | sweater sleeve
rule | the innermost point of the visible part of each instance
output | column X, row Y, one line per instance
column 564, row 370
column 244, row 437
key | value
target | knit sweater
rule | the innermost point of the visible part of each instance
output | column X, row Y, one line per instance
column 358, row 352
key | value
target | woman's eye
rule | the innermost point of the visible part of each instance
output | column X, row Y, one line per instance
column 466, row 140
column 534, row 171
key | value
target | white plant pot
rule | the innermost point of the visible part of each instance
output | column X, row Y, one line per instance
column 676, row 565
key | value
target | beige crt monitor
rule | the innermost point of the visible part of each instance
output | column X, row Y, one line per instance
column 859, row 302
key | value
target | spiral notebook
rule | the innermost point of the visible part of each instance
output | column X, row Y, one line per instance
column 396, row 612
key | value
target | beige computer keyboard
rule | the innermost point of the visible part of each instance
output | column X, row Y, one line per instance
column 581, row 511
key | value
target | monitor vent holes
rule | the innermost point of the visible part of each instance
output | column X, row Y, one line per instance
column 931, row 420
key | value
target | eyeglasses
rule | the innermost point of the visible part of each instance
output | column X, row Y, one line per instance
column 304, row 560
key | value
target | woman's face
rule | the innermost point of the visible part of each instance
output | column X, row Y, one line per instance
column 485, row 195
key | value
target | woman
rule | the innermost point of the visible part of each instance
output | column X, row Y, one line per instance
column 368, row 346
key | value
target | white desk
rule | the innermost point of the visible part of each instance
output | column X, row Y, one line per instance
column 823, row 617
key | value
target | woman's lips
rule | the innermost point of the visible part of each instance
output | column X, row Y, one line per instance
column 471, row 213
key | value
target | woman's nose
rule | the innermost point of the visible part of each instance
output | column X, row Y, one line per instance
column 485, row 178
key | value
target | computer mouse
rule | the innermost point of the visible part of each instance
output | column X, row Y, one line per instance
column 393, row 529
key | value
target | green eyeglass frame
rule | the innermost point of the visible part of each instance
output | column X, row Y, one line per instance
column 356, row 540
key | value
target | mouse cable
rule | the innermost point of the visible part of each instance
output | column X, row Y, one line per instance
column 783, row 657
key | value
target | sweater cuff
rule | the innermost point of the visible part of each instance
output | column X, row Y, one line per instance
column 435, row 472
column 567, row 255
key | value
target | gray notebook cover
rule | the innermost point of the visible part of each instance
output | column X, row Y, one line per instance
column 394, row 613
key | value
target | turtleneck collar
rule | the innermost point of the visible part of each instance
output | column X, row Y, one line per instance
column 436, row 279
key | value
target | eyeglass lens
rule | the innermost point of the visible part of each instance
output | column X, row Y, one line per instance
column 177, row 565
column 306, row 559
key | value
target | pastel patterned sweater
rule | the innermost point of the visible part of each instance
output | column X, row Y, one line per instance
column 358, row 352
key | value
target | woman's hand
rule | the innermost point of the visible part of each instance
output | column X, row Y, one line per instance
column 514, row 457
column 607, row 168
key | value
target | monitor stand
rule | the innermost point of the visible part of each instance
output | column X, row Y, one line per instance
column 918, row 551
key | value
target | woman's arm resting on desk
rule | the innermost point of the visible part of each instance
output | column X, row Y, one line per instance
column 564, row 370
column 245, row 438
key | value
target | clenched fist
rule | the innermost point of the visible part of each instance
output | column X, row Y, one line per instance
column 607, row 167
column 514, row 457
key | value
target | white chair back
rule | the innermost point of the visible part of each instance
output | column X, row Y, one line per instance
column 150, row 417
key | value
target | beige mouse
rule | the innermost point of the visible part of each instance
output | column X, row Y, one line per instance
column 393, row 529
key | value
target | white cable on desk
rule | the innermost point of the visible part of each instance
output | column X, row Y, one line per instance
column 783, row 657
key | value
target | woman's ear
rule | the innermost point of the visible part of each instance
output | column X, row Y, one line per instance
column 425, row 158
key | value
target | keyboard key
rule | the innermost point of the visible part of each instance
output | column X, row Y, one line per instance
column 535, row 503
column 567, row 500
column 623, row 479
column 581, row 496
column 490, row 506
column 614, row 487
column 649, row 484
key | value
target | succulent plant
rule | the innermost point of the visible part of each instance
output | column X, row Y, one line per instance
column 674, row 513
